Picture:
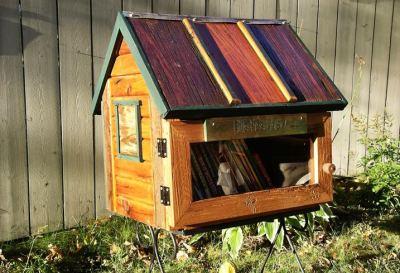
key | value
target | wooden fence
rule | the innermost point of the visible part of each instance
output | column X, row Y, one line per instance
column 51, row 166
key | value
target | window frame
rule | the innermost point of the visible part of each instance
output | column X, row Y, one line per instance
column 137, row 104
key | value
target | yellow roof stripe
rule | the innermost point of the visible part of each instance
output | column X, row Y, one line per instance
column 289, row 95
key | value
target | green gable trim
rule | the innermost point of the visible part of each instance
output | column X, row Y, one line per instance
column 123, row 30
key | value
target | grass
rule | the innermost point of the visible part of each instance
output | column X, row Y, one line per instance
column 359, row 240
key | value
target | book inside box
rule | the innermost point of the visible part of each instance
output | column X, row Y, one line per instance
column 245, row 165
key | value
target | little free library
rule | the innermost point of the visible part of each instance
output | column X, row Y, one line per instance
column 210, row 121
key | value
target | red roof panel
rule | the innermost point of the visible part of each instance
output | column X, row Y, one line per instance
column 181, row 75
column 238, row 63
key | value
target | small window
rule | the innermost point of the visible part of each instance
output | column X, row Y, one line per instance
column 129, row 144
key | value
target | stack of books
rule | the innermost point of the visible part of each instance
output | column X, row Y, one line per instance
column 246, row 170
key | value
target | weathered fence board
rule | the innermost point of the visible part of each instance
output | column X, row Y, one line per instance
column 287, row 9
column 380, row 61
column 77, row 121
column 51, row 162
column 361, row 78
column 344, row 65
column 14, row 209
column 166, row 6
column 265, row 9
column 190, row 7
column 307, row 21
column 242, row 8
column 43, row 114
column 326, row 36
column 393, row 91
column 104, row 13
column 220, row 8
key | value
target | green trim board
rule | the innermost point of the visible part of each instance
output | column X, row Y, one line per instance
column 203, row 112
column 136, row 104
column 123, row 30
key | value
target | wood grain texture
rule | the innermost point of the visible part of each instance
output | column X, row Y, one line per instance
column 380, row 62
column 77, row 122
column 103, row 18
column 265, row 9
column 242, row 9
column 107, row 156
column 361, row 79
column 189, row 214
column 43, row 115
column 190, row 7
column 158, row 169
column 218, row 8
column 186, row 82
column 166, row 6
column 14, row 207
column 131, row 85
column 137, row 5
column 326, row 36
column 291, row 58
column 307, row 18
column 393, row 90
column 344, row 67
column 239, row 64
column 287, row 9
column 124, row 65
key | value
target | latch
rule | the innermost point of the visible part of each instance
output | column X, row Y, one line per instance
column 165, row 196
column 162, row 147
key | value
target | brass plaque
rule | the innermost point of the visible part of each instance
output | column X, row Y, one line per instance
column 254, row 126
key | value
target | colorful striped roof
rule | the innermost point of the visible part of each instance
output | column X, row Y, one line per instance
column 203, row 67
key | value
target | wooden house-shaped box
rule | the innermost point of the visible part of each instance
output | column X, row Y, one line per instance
column 211, row 121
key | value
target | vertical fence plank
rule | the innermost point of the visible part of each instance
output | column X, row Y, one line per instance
column 219, row 8
column 380, row 60
column 393, row 91
column 361, row 78
column 104, row 13
column 265, row 9
column 14, row 210
column 242, row 8
column 166, row 6
column 77, row 121
column 307, row 23
column 287, row 9
column 190, row 7
column 137, row 5
column 326, row 36
column 43, row 114
column 344, row 65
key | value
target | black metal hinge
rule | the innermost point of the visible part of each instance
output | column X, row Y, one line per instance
column 162, row 147
column 165, row 196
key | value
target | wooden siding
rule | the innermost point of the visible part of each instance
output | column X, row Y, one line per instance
column 63, row 129
column 132, row 182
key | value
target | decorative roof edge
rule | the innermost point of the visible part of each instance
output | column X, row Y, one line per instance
column 174, row 17
column 122, row 29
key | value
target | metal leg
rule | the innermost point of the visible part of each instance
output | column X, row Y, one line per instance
column 282, row 225
column 156, row 252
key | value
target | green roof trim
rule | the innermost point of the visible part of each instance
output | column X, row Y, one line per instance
column 123, row 30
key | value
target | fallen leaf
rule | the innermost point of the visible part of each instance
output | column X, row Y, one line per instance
column 55, row 253
column 227, row 267
column 181, row 256
column 114, row 249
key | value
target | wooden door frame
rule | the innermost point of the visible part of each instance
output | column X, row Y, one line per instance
column 189, row 214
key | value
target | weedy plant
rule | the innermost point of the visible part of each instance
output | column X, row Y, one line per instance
column 233, row 238
column 381, row 163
